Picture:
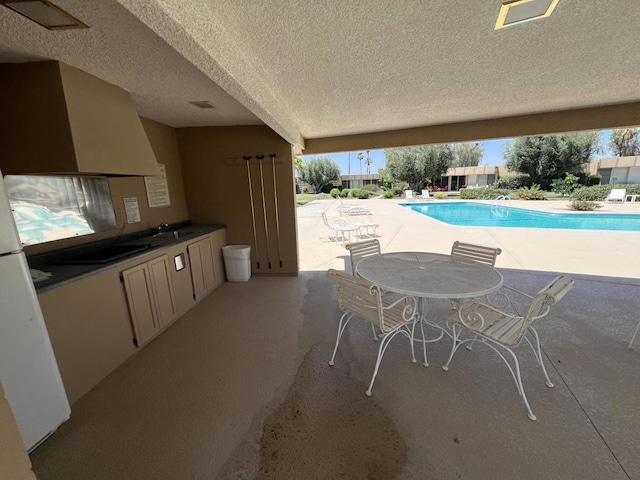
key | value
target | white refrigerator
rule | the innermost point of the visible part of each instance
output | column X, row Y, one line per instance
column 28, row 369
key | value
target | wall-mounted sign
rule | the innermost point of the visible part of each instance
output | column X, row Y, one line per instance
column 157, row 189
column 132, row 210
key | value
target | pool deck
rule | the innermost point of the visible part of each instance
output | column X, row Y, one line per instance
column 588, row 252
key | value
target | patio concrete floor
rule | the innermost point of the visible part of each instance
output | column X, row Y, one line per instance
column 240, row 386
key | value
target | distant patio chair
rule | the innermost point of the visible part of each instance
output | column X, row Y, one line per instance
column 426, row 197
column 360, row 298
column 616, row 195
column 408, row 195
column 353, row 209
column 339, row 227
column 501, row 330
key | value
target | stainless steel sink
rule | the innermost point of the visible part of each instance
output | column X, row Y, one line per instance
column 174, row 234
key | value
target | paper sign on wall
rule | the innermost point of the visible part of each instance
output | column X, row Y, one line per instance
column 132, row 210
column 157, row 189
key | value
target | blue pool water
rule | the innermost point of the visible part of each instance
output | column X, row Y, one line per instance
column 469, row 214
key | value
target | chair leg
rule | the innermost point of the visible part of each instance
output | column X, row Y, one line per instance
column 520, row 385
column 341, row 327
column 454, row 347
column 537, row 352
column 411, row 337
column 375, row 335
column 634, row 337
column 424, row 345
column 381, row 349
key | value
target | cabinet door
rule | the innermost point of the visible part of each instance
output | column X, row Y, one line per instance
column 207, row 265
column 137, row 284
column 162, row 291
column 218, row 240
column 197, row 275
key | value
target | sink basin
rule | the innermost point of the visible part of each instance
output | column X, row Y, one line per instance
column 174, row 234
column 105, row 255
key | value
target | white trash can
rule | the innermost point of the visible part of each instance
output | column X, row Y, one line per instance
column 237, row 262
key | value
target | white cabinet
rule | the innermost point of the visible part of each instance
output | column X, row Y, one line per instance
column 150, row 298
column 203, row 272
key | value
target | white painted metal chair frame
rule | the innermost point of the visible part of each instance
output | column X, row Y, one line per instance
column 362, row 299
column 634, row 336
column 358, row 251
column 479, row 318
column 477, row 253
column 335, row 224
column 354, row 209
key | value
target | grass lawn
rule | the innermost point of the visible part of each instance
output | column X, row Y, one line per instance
column 302, row 198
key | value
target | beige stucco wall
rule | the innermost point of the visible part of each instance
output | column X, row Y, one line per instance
column 14, row 461
column 595, row 118
column 164, row 143
column 217, row 189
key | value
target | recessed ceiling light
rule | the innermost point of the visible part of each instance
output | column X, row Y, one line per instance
column 202, row 104
column 44, row 13
column 519, row 11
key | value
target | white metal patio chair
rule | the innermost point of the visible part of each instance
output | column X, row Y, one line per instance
column 339, row 227
column 362, row 299
column 358, row 251
column 477, row 253
column 501, row 330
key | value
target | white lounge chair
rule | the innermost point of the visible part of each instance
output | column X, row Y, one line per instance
column 353, row 209
column 408, row 195
column 426, row 197
column 503, row 331
column 362, row 299
column 616, row 195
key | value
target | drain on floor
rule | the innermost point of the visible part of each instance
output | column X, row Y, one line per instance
column 324, row 428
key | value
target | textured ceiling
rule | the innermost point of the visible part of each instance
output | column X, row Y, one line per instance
column 312, row 69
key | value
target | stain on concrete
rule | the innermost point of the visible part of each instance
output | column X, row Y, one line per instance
column 325, row 427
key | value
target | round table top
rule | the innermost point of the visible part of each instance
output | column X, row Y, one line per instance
column 432, row 275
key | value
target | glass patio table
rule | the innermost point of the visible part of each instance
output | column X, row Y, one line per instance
column 428, row 276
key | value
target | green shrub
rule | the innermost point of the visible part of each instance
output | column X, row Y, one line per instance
column 362, row 194
column 566, row 185
column 598, row 193
column 355, row 192
column 482, row 193
column 514, row 183
column 388, row 194
column 593, row 180
column 335, row 192
column 583, row 205
column 440, row 196
column 532, row 193
column 345, row 193
column 373, row 188
column 397, row 192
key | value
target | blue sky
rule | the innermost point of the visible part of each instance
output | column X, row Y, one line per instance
column 492, row 156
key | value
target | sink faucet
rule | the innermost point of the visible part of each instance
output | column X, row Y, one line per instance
column 161, row 227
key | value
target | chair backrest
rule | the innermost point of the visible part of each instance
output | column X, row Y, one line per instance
column 551, row 294
column 364, row 299
column 325, row 220
column 425, row 193
column 478, row 253
column 408, row 194
column 360, row 250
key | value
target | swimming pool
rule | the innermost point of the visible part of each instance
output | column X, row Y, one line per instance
column 470, row 214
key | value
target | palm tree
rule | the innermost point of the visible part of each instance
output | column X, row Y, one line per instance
column 369, row 162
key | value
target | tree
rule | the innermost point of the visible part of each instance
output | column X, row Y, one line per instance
column 299, row 164
column 320, row 172
column 467, row 154
column 545, row 158
column 625, row 142
column 565, row 186
column 418, row 166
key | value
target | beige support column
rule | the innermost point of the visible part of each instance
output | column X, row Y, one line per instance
column 14, row 461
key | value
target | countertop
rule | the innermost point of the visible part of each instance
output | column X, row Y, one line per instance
column 63, row 274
